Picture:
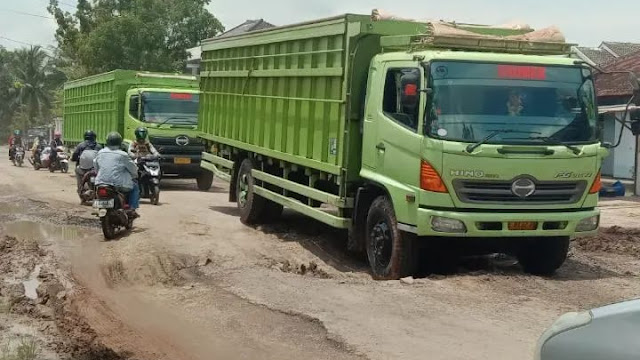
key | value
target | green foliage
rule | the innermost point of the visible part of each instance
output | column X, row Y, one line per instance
column 148, row 35
column 28, row 78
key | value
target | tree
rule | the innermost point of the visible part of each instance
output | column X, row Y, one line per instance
column 6, row 84
column 32, row 85
column 148, row 35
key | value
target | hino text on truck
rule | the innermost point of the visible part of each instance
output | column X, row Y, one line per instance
column 407, row 133
column 122, row 100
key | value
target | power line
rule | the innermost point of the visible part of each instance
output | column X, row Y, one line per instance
column 15, row 41
column 27, row 14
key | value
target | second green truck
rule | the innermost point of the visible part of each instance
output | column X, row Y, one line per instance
column 123, row 100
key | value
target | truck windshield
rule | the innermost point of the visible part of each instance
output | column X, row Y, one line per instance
column 526, row 104
column 170, row 108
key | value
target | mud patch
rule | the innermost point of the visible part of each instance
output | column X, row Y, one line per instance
column 37, row 311
column 306, row 269
column 613, row 240
column 162, row 268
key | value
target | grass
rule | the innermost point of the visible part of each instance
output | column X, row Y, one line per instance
column 27, row 349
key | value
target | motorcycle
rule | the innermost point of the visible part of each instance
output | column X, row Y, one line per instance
column 113, row 211
column 149, row 178
column 88, row 192
column 61, row 162
column 18, row 156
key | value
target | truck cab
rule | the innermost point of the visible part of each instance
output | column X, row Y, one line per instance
column 171, row 117
column 486, row 145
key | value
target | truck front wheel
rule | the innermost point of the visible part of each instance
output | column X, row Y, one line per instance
column 205, row 180
column 391, row 253
column 543, row 256
column 253, row 208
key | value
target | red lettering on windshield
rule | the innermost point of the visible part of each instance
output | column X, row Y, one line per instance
column 181, row 96
column 522, row 72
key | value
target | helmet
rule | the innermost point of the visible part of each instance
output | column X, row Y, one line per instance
column 90, row 135
column 114, row 139
column 141, row 133
column 17, row 132
column 57, row 135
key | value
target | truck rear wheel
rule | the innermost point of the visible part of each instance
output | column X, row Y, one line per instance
column 543, row 256
column 391, row 253
column 204, row 180
column 253, row 208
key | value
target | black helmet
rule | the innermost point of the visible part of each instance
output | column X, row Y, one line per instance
column 90, row 135
column 114, row 139
column 141, row 133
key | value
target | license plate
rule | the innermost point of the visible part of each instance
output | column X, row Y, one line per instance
column 182, row 161
column 523, row 225
column 103, row 204
column 93, row 180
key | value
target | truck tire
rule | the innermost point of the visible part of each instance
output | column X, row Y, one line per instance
column 253, row 208
column 204, row 180
column 543, row 256
column 391, row 253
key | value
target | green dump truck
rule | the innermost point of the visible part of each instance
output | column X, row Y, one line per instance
column 123, row 100
column 404, row 137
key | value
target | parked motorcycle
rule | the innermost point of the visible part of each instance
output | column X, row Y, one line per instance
column 149, row 178
column 18, row 156
column 113, row 211
column 88, row 192
column 61, row 162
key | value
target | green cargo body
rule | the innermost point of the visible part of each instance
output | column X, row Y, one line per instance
column 287, row 93
column 97, row 102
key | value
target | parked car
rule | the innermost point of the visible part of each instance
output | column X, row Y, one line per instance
column 607, row 333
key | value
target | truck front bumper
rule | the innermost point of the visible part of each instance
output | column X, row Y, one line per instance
column 452, row 223
column 183, row 166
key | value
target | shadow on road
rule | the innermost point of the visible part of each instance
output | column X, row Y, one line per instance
column 329, row 244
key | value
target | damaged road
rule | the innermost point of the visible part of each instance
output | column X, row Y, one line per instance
column 191, row 282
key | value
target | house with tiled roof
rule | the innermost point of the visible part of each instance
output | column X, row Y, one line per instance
column 614, row 91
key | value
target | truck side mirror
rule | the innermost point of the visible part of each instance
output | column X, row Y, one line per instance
column 635, row 128
column 410, row 90
column 134, row 104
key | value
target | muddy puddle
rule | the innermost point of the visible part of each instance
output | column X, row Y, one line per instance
column 44, row 232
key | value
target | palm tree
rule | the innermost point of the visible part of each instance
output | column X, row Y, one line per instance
column 32, row 89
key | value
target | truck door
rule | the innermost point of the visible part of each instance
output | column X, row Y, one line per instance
column 398, row 117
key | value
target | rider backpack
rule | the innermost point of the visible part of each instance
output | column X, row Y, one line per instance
column 86, row 159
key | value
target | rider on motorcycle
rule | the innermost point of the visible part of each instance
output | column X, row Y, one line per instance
column 55, row 142
column 142, row 146
column 37, row 148
column 14, row 141
column 115, row 168
column 84, row 155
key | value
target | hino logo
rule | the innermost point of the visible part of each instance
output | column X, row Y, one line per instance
column 182, row 140
column 523, row 188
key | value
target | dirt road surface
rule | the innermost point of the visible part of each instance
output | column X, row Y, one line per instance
column 191, row 282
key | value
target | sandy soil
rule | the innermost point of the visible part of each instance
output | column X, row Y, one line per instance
column 191, row 282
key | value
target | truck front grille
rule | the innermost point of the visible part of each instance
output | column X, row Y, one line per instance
column 499, row 192
column 170, row 146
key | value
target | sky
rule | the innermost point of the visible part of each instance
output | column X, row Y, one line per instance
column 582, row 24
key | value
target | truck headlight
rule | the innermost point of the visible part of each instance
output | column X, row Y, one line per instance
column 588, row 224
column 565, row 323
column 446, row 225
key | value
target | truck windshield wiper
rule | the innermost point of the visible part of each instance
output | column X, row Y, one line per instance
column 174, row 118
column 551, row 141
column 472, row 147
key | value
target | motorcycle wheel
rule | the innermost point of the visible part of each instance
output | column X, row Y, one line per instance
column 64, row 167
column 155, row 195
column 36, row 167
column 20, row 163
column 51, row 168
column 108, row 228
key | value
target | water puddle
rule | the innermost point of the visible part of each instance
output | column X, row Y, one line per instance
column 31, row 285
column 45, row 232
